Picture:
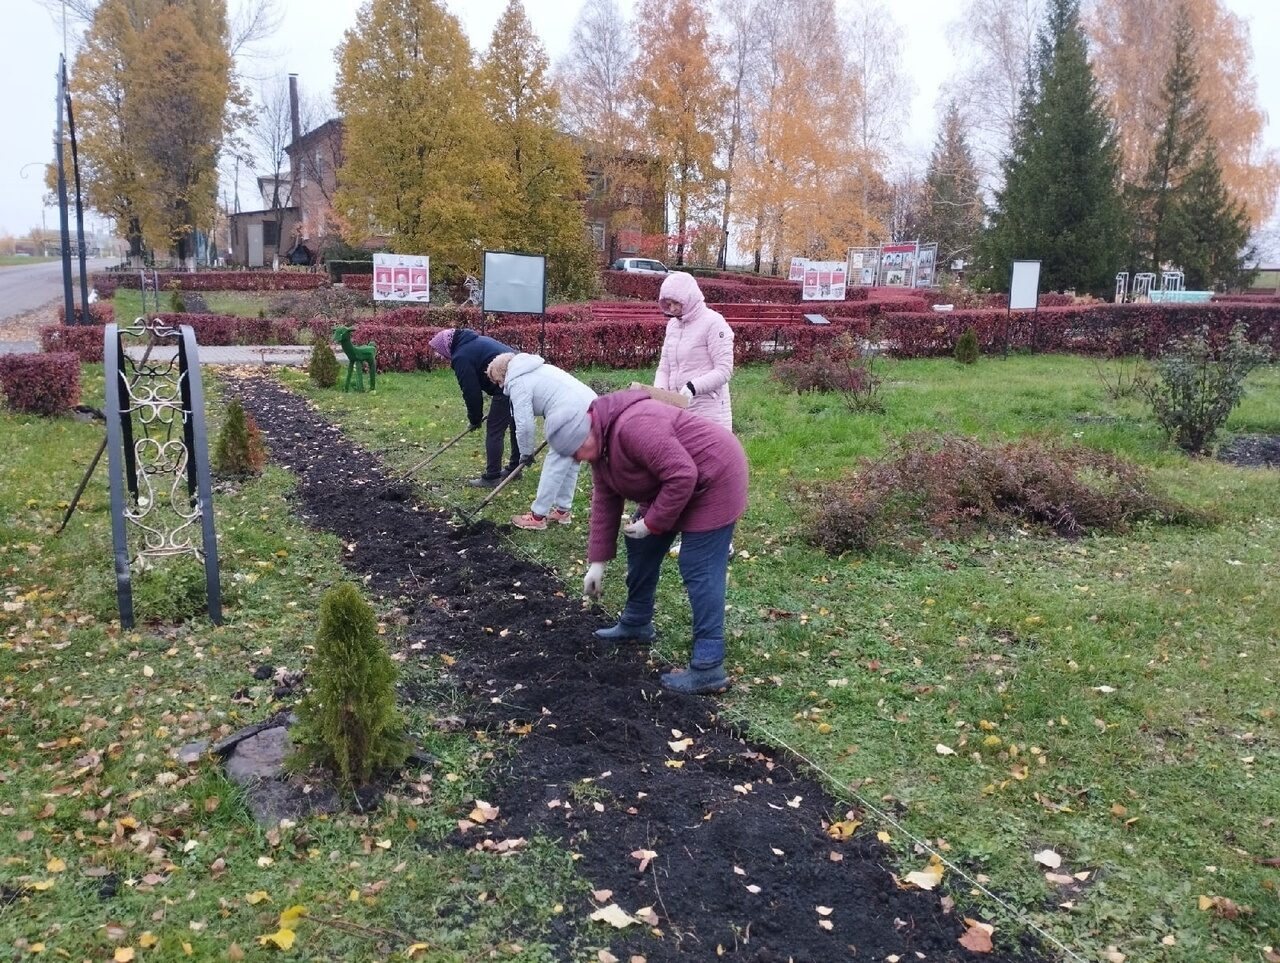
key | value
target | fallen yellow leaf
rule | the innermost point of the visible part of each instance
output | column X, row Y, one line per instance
column 282, row 939
column 926, row 878
column 415, row 949
column 56, row 865
column 843, row 829
column 291, row 916
column 123, row 954
column 257, row 896
column 614, row 915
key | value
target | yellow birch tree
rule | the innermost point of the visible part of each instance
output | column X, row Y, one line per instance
column 679, row 99
column 537, row 209
column 418, row 168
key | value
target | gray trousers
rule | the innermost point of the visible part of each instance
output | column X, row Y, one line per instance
column 557, row 484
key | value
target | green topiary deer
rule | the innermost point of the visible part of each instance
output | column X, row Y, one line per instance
column 358, row 355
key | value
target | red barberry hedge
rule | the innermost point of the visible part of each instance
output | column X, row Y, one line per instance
column 1105, row 329
column 41, row 384
column 107, row 283
column 100, row 312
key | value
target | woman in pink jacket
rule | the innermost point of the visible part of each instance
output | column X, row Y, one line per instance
column 688, row 476
column 697, row 352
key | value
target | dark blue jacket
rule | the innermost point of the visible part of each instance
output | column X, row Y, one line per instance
column 470, row 356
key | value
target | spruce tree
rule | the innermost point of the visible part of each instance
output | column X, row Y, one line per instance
column 537, row 208
column 952, row 208
column 1184, row 216
column 1178, row 140
column 1061, row 201
column 1210, row 229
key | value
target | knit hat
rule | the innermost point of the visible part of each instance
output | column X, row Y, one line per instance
column 497, row 370
column 568, row 430
column 442, row 343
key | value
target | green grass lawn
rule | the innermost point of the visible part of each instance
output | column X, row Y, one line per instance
column 245, row 304
column 92, row 801
column 17, row 260
column 1113, row 698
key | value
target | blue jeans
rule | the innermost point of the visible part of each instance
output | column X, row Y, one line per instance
column 704, row 563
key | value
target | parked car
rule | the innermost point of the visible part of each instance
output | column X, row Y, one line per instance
column 639, row 265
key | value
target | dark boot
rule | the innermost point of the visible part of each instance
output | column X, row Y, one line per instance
column 636, row 634
column 693, row 681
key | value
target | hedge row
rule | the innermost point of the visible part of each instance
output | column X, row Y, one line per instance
column 1111, row 329
column 210, row 329
column 106, row 283
column 338, row 268
column 645, row 287
column 402, row 335
column 41, row 384
column 610, row 344
column 100, row 312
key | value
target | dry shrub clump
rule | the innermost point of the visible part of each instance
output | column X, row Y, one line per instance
column 840, row 368
column 948, row 486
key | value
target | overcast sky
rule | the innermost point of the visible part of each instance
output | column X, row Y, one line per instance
column 31, row 41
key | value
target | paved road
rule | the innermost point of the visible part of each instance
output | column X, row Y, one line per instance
column 28, row 286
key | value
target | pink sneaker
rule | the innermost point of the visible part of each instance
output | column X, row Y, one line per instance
column 561, row 515
column 530, row 521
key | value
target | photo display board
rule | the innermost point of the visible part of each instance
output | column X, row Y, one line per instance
column 861, row 265
column 898, row 264
column 824, row 281
column 927, row 266
column 515, row 283
column 1024, row 286
column 402, row 277
column 797, row 269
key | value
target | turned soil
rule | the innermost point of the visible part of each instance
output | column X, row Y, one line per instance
column 1252, row 451
column 743, row 854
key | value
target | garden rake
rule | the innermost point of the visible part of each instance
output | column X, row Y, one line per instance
column 510, row 478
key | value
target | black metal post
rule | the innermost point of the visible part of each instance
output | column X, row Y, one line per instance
column 69, row 301
column 75, row 166
column 113, row 364
column 197, row 442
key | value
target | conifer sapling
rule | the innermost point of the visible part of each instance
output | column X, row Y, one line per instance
column 348, row 722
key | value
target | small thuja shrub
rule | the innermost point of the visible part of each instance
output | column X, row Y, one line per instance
column 348, row 722
column 176, row 304
column 948, row 486
column 1198, row 383
column 323, row 366
column 241, row 451
column 838, row 368
column 967, row 346
column 41, row 384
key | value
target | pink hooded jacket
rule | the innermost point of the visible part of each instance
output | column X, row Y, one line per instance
column 698, row 348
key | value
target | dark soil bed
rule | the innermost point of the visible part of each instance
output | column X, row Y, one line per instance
column 1252, row 451
column 743, row 855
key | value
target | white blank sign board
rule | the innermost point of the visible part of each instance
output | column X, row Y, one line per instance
column 515, row 282
column 1024, row 286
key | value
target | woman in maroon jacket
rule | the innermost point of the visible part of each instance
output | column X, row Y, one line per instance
column 688, row 475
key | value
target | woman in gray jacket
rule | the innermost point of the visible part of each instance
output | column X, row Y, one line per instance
column 540, row 389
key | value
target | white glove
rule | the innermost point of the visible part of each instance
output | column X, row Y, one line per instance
column 637, row 529
column 593, row 581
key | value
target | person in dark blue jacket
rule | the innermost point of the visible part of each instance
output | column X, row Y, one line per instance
column 470, row 354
